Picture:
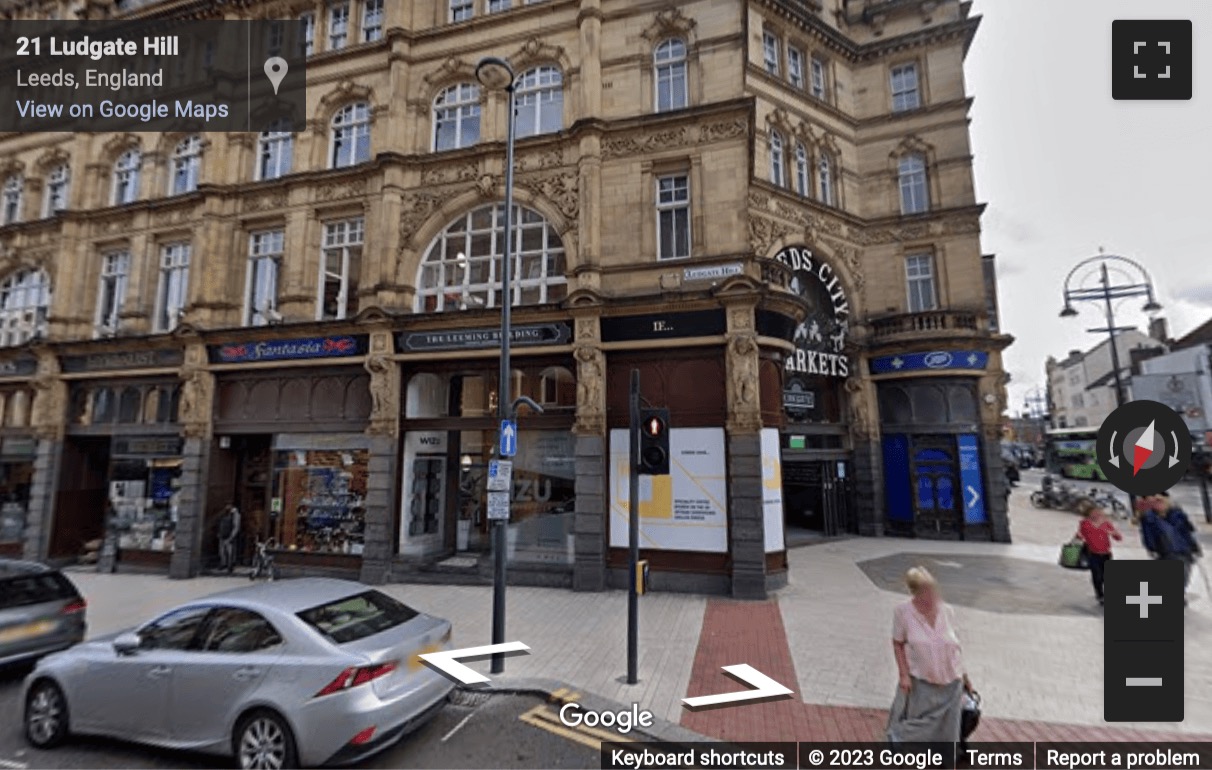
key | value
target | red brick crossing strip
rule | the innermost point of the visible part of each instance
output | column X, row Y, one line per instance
column 752, row 632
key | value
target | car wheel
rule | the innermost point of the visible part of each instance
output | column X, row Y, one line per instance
column 263, row 741
column 45, row 715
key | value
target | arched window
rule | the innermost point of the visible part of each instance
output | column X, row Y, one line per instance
column 915, row 196
column 669, row 75
column 557, row 387
column 187, row 163
column 126, row 176
column 801, row 169
column 350, row 143
column 825, row 179
column 461, row 269
column 275, row 152
column 58, row 185
column 24, row 306
column 456, row 117
column 540, row 102
column 777, row 167
column 14, row 188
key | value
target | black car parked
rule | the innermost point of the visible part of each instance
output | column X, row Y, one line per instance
column 40, row 611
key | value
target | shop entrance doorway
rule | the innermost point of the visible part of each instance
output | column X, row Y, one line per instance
column 816, row 498
column 80, row 503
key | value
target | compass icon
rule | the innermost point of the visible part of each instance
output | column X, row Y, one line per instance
column 1144, row 447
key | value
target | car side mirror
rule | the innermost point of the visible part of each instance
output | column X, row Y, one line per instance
column 127, row 643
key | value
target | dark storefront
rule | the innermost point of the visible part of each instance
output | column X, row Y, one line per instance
column 934, row 461
column 449, row 429
column 122, row 459
column 18, row 448
column 291, row 452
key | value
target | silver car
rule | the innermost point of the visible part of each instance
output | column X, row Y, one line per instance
column 292, row 673
column 40, row 611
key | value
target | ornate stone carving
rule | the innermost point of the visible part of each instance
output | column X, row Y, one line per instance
column 549, row 158
column 445, row 173
column 740, row 319
column 849, row 256
column 591, row 407
column 620, row 146
column 418, row 206
column 560, row 189
column 384, row 394
column 335, row 191
column 116, row 224
column 765, row 232
column 487, row 185
column 535, row 51
column 856, row 395
column 452, row 69
column 586, row 329
column 725, row 129
column 266, row 202
column 50, row 397
column 743, row 406
column 670, row 22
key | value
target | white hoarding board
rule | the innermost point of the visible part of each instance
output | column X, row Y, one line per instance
column 772, row 490
column 684, row 511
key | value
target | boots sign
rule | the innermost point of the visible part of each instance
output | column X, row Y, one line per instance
column 820, row 341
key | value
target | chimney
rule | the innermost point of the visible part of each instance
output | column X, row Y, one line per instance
column 1158, row 330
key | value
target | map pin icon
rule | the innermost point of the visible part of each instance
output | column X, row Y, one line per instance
column 275, row 70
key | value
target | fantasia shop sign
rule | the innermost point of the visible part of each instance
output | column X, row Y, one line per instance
column 820, row 341
column 336, row 346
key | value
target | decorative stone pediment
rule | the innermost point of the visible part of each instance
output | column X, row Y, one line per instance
column 372, row 315
column 583, row 298
column 52, row 158
column 346, row 91
column 737, row 286
column 119, row 143
column 11, row 167
column 912, row 144
column 670, row 22
column 450, row 71
column 780, row 120
column 534, row 52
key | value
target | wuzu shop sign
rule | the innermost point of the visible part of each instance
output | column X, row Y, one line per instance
column 820, row 341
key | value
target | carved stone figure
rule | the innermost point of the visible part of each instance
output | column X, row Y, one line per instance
column 743, row 365
column 589, row 379
column 381, row 390
column 856, row 397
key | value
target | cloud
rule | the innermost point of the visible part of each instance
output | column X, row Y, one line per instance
column 1195, row 292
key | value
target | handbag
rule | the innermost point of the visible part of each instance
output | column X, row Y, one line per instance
column 970, row 716
column 1073, row 555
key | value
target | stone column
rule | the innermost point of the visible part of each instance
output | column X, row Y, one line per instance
column 868, row 459
column 49, row 415
column 589, row 565
column 747, row 530
column 384, row 431
column 991, row 391
column 195, row 415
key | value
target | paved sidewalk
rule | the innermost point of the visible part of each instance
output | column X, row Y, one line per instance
column 1032, row 636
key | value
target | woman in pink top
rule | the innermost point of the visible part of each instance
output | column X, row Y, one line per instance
column 928, row 704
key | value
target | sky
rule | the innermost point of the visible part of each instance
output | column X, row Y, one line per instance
column 1067, row 170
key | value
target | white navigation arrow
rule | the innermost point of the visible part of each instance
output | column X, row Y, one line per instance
column 1173, row 459
column 975, row 496
column 447, row 660
column 1114, row 456
column 765, row 688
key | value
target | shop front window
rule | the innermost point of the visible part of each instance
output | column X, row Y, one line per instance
column 544, row 497
column 319, row 500
column 15, row 479
column 144, row 498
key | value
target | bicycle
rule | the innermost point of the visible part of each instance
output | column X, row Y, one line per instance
column 263, row 561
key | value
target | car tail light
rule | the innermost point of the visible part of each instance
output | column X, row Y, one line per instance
column 71, row 608
column 355, row 676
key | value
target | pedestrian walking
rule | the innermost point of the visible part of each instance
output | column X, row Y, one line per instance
column 229, row 530
column 1096, row 532
column 928, row 706
column 1167, row 533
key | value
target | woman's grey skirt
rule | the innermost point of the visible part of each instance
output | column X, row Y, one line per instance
column 929, row 713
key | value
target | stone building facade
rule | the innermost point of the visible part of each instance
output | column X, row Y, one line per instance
column 764, row 206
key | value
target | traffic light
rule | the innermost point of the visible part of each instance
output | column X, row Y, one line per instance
column 654, row 442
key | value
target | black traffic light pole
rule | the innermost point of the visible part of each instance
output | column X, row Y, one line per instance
column 633, row 533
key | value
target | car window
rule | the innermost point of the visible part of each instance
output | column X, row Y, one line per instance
column 178, row 630
column 235, row 630
column 358, row 616
column 35, row 588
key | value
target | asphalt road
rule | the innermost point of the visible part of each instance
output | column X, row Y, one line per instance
column 475, row 731
column 1185, row 493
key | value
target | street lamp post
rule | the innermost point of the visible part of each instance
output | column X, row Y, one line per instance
column 1135, row 283
column 1132, row 281
column 495, row 74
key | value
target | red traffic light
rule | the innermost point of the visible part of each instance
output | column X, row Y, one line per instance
column 654, row 426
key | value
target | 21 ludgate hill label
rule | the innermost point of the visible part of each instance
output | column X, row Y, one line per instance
column 151, row 75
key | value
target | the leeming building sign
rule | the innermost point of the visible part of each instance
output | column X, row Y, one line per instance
column 820, row 341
